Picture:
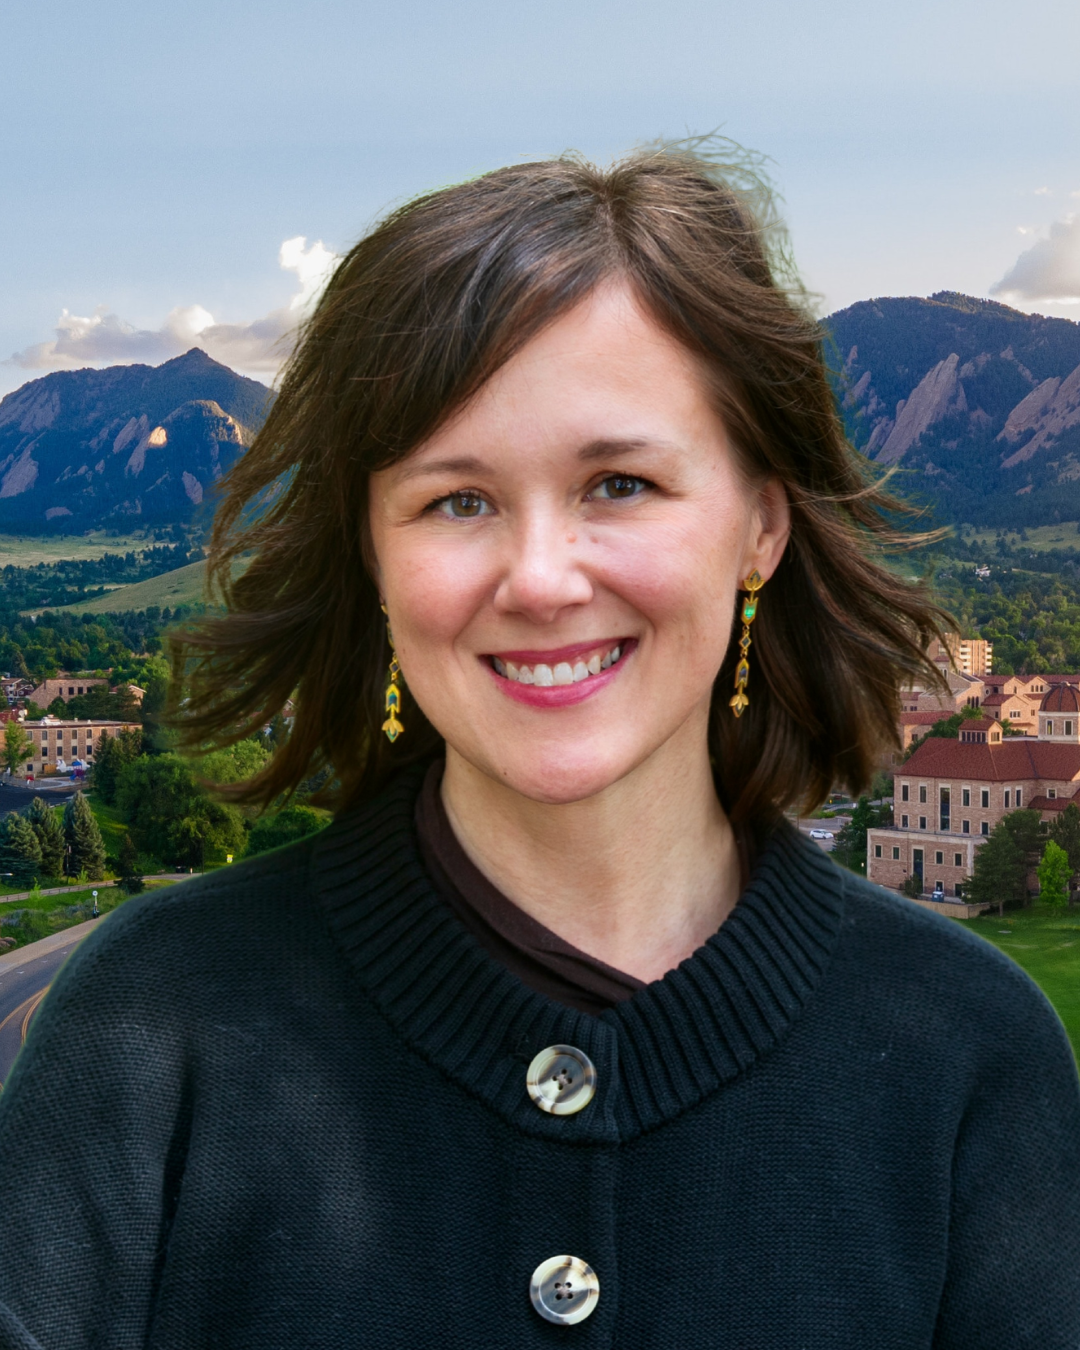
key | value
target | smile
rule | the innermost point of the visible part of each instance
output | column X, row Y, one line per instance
column 547, row 674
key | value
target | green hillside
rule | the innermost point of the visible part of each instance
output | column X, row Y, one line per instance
column 184, row 586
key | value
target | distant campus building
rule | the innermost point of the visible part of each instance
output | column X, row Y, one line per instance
column 55, row 742
column 951, row 793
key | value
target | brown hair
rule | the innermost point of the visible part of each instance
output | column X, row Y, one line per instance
column 418, row 315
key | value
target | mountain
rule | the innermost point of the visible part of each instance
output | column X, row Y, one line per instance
column 125, row 446
column 978, row 403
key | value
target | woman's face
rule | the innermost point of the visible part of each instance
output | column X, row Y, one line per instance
column 560, row 561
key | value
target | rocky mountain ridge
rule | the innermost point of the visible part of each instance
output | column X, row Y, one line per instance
column 123, row 446
column 977, row 403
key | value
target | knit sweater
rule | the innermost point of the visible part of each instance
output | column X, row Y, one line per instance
column 285, row 1106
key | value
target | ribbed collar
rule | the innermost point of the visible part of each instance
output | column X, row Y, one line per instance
column 656, row 1055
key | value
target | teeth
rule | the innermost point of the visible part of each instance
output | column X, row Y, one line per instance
column 563, row 673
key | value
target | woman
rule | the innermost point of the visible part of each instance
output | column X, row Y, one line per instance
column 560, row 1033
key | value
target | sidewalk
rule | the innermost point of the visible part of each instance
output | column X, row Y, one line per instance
column 90, row 885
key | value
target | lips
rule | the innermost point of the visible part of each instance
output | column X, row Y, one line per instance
column 575, row 668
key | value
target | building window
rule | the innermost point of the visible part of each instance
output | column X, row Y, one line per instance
column 965, row 796
column 958, row 860
column 903, row 792
column 944, row 797
column 896, row 853
column 1019, row 797
column 29, row 768
column 922, row 792
column 986, row 827
column 1051, row 793
column 1068, row 728
column 877, row 850
column 903, row 822
column 965, row 827
column 985, row 798
column 939, row 858
column 1007, row 798
column 1015, row 712
column 922, row 822
column 1049, row 728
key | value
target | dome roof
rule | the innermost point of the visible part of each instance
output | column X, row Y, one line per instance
column 1061, row 698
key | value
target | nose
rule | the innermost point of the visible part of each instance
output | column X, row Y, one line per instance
column 543, row 570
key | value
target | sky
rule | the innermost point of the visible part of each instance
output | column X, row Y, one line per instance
column 181, row 174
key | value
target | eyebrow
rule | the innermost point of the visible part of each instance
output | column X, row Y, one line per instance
column 600, row 449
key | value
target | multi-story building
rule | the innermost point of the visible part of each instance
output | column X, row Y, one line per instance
column 56, row 744
column 951, row 793
column 65, row 687
column 970, row 656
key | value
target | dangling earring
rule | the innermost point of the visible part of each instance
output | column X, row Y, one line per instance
column 753, row 584
column 392, row 726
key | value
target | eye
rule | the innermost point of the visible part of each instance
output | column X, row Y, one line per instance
column 618, row 486
column 462, row 506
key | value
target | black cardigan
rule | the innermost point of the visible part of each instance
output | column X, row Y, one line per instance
column 285, row 1106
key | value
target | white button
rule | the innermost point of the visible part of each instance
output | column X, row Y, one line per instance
column 564, row 1289
column 561, row 1080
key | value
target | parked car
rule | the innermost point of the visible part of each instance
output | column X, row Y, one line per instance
column 821, row 834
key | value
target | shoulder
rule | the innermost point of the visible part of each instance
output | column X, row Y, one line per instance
column 237, row 915
column 944, row 974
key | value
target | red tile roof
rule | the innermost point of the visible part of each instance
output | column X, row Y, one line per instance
column 1021, row 758
column 996, row 700
column 922, row 719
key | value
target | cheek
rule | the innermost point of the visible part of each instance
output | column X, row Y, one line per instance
column 432, row 593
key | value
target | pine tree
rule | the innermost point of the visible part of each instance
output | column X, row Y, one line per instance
column 50, row 837
column 1000, row 871
column 129, row 869
column 85, row 846
column 20, row 852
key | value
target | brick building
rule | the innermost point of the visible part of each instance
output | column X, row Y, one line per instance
column 951, row 793
column 55, row 742
column 65, row 687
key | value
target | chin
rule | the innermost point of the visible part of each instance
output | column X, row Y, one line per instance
column 559, row 777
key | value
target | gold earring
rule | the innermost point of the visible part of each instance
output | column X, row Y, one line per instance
column 392, row 726
column 753, row 584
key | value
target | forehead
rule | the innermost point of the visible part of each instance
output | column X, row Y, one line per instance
column 605, row 371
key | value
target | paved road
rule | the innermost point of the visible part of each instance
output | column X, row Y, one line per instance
column 25, row 976
column 16, row 796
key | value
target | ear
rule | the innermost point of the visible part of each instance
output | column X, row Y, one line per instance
column 770, row 530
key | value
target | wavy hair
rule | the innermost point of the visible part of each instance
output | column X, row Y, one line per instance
column 419, row 314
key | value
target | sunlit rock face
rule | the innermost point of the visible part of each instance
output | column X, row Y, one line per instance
column 977, row 403
column 87, row 448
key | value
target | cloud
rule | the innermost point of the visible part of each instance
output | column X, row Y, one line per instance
column 258, row 347
column 1049, row 270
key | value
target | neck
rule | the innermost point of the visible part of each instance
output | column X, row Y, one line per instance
column 638, row 876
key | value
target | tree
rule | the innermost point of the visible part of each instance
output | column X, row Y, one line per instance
column 1065, row 832
column 50, row 836
column 234, row 763
column 285, row 827
column 128, row 867
column 849, row 849
column 999, row 876
column 57, row 708
column 16, row 745
column 1054, row 874
column 20, row 852
column 85, row 846
column 1029, row 834
column 172, row 816
column 112, row 753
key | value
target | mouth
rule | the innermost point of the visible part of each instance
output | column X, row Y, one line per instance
column 567, row 666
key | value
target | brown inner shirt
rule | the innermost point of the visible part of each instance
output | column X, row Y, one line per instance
column 536, row 955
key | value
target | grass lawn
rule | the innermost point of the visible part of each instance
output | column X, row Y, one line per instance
column 1046, row 943
column 28, row 551
column 1039, row 537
